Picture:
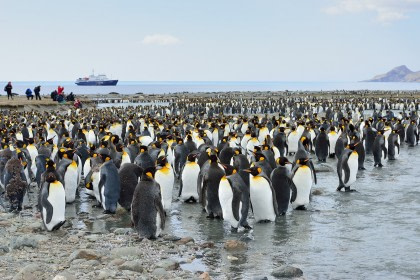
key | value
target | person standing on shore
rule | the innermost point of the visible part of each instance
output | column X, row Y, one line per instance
column 8, row 88
column 37, row 91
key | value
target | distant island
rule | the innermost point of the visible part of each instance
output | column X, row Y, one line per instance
column 398, row 74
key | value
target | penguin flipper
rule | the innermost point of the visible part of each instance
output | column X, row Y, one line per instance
column 294, row 191
column 159, row 209
column 180, row 187
column 45, row 203
column 313, row 170
column 236, row 200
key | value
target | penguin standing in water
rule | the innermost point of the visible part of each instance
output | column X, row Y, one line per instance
column 347, row 167
column 303, row 178
column 393, row 145
column 369, row 135
column 181, row 153
column 322, row 145
column 188, row 187
column 262, row 194
column 130, row 174
column 234, row 198
column 109, row 185
column 282, row 184
column 209, row 194
column 412, row 134
column 52, row 199
column 164, row 176
column 379, row 149
column 360, row 149
column 147, row 214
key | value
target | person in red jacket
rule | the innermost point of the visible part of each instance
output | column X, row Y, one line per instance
column 60, row 90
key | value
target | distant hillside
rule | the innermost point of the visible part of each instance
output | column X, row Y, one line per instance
column 398, row 74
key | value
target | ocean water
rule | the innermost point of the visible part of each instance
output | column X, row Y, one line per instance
column 173, row 87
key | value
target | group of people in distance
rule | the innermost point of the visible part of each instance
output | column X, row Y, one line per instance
column 56, row 95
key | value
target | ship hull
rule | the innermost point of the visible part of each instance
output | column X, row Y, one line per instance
column 97, row 83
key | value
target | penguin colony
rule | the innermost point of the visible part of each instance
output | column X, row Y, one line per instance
column 225, row 153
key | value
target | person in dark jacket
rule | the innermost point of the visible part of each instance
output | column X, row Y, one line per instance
column 54, row 95
column 8, row 88
column 37, row 91
column 29, row 94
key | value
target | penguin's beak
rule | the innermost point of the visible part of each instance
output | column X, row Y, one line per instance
column 247, row 170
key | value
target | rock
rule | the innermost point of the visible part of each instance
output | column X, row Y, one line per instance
column 205, row 276
column 132, row 266
column 64, row 276
column 29, row 272
column 160, row 273
column 185, row 240
column 168, row 264
column 208, row 244
column 35, row 226
column 125, row 251
column 105, row 274
column 232, row 258
column 123, row 231
column 84, row 254
column 286, row 271
column 5, row 223
column 73, row 239
column 171, row 238
column 235, row 245
column 93, row 237
column 23, row 241
column 4, row 250
column 317, row 192
column 116, row 262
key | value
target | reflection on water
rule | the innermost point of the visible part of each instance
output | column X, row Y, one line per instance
column 372, row 233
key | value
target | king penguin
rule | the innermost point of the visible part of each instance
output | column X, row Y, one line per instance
column 282, row 184
column 147, row 214
column 347, row 167
column 164, row 176
column 262, row 194
column 379, row 150
column 109, row 185
column 188, row 187
column 303, row 179
column 52, row 202
column 68, row 170
column 130, row 174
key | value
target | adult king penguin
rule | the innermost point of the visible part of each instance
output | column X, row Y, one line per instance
column 282, row 184
column 303, row 178
column 109, row 185
column 347, row 167
column 164, row 176
column 147, row 214
column 188, row 188
column 263, row 198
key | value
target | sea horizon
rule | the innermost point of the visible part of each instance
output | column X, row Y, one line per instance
column 166, row 87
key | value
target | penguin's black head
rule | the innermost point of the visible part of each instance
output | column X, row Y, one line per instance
column 229, row 169
column 115, row 139
column 143, row 149
column 148, row 174
column 50, row 177
column 161, row 161
column 322, row 129
column 119, row 147
column 303, row 161
column 255, row 170
column 49, row 165
column 237, row 151
column 189, row 137
column 192, row 157
column 213, row 157
column 259, row 156
column 70, row 154
column 282, row 161
column 352, row 146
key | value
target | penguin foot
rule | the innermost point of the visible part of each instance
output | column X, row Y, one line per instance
column 380, row 165
column 347, row 189
column 247, row 227
column 233, row 229
column 339, row 189
column 362, row 168
column 210, row 216
column 301, row 207
column 109, row 212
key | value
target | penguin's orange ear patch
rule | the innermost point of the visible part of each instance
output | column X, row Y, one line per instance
column 149, row 174
column 259, row 169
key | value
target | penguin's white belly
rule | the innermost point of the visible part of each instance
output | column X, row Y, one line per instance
column 86, row 167
column 57, row 199
column 261, row 199
column 225, row 198
column 95, row 185
column 333, row 142
column 303, row 182
column 293, row 141
column 103, row 198
column 158, row 224
column 91, row 138
column 71, row 183
column 166, row 182
column 189, row 181
column 353, row 163
column 276, row 153
column 125, row 159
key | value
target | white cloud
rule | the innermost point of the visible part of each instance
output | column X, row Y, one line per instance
column 160, row 39
column 386, row 10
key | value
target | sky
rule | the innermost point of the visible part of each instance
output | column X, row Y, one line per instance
column 218, row 40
